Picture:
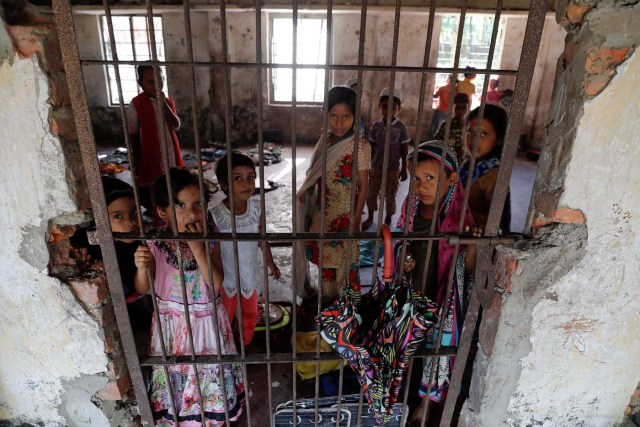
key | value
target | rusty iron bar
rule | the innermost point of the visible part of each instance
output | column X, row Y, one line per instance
column 471, row 316
column 294, row 213
column 275, row 238
column 260, row 358
column 267, row 65
column 412, row 167
column 70, row 56
column 436, row 211
column 528, row 57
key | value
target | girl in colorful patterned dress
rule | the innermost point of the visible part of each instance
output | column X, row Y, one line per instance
column 434, row 272
column 161, row 257
column 339, row 176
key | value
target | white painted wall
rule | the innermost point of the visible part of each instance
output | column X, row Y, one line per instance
column 584, row 361
column 47, row 339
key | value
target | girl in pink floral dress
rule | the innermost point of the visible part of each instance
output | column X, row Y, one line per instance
column 161, row 257
column 337, row 263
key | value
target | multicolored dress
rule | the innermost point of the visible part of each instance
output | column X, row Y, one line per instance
column 456, row 304
column 337, row 211
column 173, row 323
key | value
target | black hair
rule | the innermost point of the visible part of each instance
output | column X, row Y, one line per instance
column 471, row 73
column 432, row 150
column 115, row 189
column 342, row 95
column 461, row 98
column 396, row 101
column 141, row 70
column 237, row 159
column 497, row 116
column 181, row 178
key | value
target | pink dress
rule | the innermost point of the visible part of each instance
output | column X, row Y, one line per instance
column 173, row 323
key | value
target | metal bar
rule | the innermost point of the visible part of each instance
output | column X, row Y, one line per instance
column 82, row 117
column 414, row 162
column 528, row 57
column 263, row 217
column 123, row 115
column 323, row 194
column 269, row 65
column 276, row 238
column 294, row 210
column 253, row 359
column 436, row 211
column 462, row 356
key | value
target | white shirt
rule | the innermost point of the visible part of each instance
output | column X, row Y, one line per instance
column 248, row 258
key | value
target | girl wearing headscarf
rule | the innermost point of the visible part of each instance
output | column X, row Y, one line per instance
column 434, row 271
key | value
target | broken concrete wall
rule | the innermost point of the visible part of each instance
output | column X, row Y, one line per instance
column 558, row 345
column 50, row 346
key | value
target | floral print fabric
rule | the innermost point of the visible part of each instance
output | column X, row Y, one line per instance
column 173, row 324
column 337, row 209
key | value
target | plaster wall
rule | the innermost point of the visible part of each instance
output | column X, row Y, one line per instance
column 241, row 29
column 582, row 341
column 48, row 340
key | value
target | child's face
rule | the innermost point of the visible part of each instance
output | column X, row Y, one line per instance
column 460, row 110
column 243, row 183
column 384, row 109
column 148, row 82
column 487, row 139
column 425, row 182
column 123, row 216
column 188, row 209
column 340, row 119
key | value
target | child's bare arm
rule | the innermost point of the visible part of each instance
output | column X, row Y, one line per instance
column 143, row 259
column 275, row 271
column 404, row 150
column 218, row 272
column 363, row 187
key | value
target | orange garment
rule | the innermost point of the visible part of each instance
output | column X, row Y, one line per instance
column 150, row 165
column 444, row 95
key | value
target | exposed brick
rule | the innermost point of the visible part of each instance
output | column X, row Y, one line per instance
column 59, row 90
column 570, row 49
column 90, row 291
column 117, row 368
column 569, row 216
column 111, row 339
column 594, row 85
column 539, row 222
column 62, row 124
column 104, row 314
column 25, row 42
column 489, row 325
column 115, row 389
column 603, row 61
column 52, row 55
column 575, row 13
column 505, row 267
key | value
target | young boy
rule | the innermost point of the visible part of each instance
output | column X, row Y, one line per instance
column 144, row 136
column 398, row 148
column 456, row 133
column 466, row 85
